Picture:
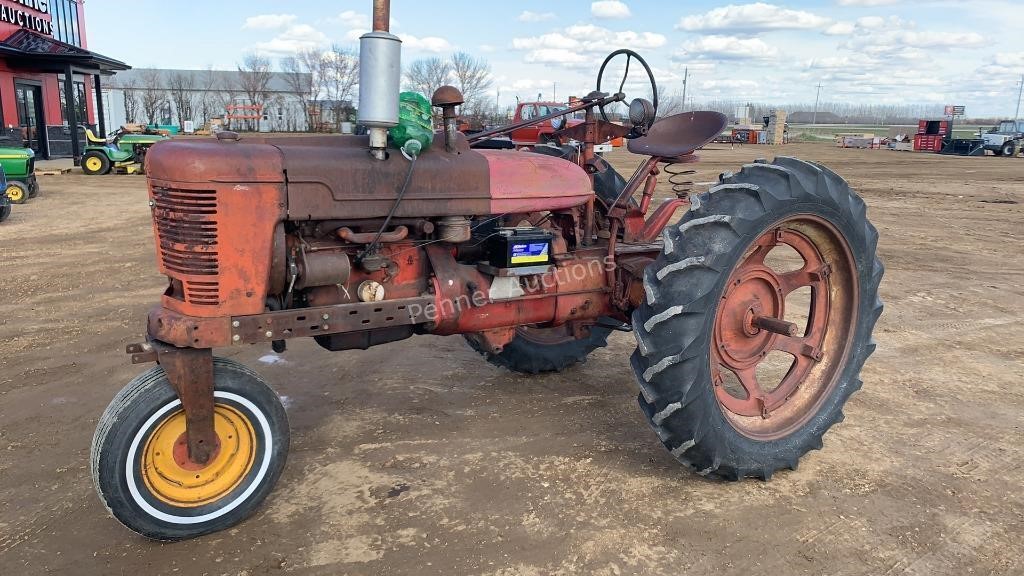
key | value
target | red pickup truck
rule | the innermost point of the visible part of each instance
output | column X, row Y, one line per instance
column 539, row 133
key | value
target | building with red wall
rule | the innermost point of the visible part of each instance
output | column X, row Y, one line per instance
column 44, row 64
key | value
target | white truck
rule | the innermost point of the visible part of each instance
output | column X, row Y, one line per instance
column 1006, row 139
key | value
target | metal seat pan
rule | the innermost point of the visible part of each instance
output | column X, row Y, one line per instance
column 679, row 134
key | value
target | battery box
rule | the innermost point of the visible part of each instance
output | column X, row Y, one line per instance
column 517, row 247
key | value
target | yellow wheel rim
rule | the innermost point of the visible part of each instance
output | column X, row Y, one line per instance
column 93, row 164
column 15, row 194
column 172, row 478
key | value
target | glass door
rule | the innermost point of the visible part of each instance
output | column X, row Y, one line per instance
column 30, row 115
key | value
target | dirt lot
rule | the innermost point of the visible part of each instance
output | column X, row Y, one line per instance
column 421, row 458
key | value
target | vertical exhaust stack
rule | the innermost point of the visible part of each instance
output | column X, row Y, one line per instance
column 380, row 72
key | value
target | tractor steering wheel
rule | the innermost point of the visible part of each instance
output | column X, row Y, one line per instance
column 640, row 104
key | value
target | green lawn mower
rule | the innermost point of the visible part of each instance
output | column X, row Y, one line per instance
column 124, row 152
column 5, row 203
column 19, row 165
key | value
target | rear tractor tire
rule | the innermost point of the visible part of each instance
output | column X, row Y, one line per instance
column 5, row 211
column 535, row 350
column 95, row 164
column 758, row 319
column 140, row 464
column 17, row 192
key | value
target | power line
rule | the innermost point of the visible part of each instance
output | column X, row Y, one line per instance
column 1020, row 92
column 686, row 79
column 817, row 97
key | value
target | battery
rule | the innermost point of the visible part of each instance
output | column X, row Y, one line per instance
column 516, row 247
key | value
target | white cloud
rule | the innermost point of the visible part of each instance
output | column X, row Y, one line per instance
column 269, row 21
column 487, row 48
column 1009, row 59
column 610, row 10
column 528, row 16
column 718, row 47
column 425, row 44
column 943, row 40
column 871, row 22
column 295, row 38
column 840, row 29
column 552, row 40
column 352, row 19
column 751, row 17
column 581, row 43
column 555, row 56
column 867, row 2
column 728, row 85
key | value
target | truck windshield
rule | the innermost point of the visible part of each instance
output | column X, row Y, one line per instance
column 545, row 110
column 1006, row 127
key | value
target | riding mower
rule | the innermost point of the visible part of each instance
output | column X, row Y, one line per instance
column 534, row 257
column 5, row 203
column 123, row 152
column 19, row 165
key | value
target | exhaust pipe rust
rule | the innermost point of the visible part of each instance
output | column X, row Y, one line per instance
column 381, row 15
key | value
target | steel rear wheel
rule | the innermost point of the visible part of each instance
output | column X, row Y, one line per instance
column 758, row 318
column 140, row 461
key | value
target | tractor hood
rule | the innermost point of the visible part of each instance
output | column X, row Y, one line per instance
column 333, row 177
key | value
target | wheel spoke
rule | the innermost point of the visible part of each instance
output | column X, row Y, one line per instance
column 790, row 281
column 763, row 246
column 625, row 74
column 748, row 379
column 797, row 346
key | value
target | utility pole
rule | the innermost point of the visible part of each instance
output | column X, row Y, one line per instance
column 686, row 79
column 554, row 91
column 817, row 97
column 1020, row 92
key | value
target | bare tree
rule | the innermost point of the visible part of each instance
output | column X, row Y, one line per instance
column 154, row 96
column 341, row 76
column 314, row 62
column 182, row 89
column 299, row 77
column 472, row 77
column 427, row 75
column 207, row 100
column 254, row 77
column 129, row 91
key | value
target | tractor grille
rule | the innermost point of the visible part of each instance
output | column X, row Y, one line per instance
column 186, row 227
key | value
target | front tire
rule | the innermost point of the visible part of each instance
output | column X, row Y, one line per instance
column 1008, row 149
column 139, row 456
column 715, row 311
column 17, row 192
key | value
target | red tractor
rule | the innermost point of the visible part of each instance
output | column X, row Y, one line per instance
column 534, row 257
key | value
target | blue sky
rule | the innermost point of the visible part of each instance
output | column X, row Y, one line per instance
column 877, row 51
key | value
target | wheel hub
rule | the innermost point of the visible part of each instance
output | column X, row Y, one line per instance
column 753, row 292
column 175, row 479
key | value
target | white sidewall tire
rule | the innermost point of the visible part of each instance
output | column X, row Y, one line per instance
column 147, row 428
column 135, row 413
